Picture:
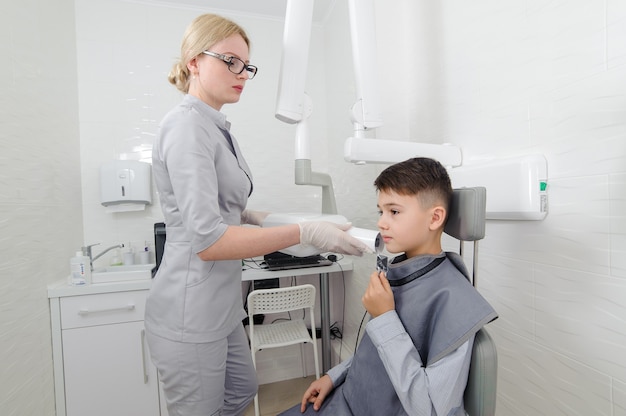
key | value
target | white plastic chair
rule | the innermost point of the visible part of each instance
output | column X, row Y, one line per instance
column 283, row 333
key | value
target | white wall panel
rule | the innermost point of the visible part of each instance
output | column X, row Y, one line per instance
column 40, row 191
column 617, row 221
column 534, row 380
column 619, row 398
column 508, row 285
column 521, row 77
column 582, row 316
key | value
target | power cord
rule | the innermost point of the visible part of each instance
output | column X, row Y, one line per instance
column 253, row 263
column 335, row 332
column 356, row 343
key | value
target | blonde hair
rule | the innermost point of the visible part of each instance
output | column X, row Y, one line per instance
column 203, row 32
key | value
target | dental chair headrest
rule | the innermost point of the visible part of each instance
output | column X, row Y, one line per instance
column 466, row 214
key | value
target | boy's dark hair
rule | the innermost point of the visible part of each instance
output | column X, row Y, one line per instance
column 423, row 177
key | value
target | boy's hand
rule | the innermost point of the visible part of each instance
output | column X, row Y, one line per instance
column 378, row 297
column 317, row 392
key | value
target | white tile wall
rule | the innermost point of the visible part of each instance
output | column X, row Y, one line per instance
column 533, row 380
column 617, row 224
column 40, row 201
column 124, row 93
column 531, row 76
column 619, row 398
column 582, row 316
column 496, row 78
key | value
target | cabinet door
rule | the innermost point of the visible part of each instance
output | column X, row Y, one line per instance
column 108, row 371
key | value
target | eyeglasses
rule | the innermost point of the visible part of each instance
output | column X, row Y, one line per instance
column 235, row 65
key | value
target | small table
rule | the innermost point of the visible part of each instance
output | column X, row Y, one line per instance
column 324, row 273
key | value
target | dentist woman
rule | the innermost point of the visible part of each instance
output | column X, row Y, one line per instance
column 194, row 311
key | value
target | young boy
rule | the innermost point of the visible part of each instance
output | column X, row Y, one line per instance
column 415, row 354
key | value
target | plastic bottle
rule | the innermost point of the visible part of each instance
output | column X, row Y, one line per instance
column 129, row 257
column 80, row 269
column 144, row 256
column 116, row 260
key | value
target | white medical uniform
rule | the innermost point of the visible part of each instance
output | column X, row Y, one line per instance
column 194, row 310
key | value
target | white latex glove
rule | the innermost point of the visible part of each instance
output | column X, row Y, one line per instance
column 253, row 217
column 328, row 236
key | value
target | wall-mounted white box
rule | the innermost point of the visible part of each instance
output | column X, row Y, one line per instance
column 125, row 185
column 516, row 187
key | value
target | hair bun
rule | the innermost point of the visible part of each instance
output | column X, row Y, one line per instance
column 179, row 77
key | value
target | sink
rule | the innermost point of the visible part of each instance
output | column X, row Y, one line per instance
column 122, row 273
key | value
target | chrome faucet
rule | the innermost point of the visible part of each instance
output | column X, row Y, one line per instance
column 87, row 252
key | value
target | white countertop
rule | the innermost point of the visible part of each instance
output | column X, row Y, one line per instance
column 62, row 288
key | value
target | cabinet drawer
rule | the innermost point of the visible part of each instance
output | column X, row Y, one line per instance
column 101, row 309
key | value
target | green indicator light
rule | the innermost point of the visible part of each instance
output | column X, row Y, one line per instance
column 542, row 186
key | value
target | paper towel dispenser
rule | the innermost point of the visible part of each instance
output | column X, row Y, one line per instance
column 125, row 185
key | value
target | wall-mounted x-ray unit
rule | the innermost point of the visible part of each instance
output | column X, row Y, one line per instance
column 516, row 187
column 362, row 151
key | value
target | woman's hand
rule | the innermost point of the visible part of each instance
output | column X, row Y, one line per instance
column 317, row 392
column 378, row 297
column 328, row 236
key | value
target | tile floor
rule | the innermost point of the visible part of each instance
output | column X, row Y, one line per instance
column 279, row 396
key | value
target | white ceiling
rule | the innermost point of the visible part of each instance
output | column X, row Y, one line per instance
column 267, row 8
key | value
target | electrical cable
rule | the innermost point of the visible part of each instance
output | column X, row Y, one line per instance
column 335, row 332
column 343, row 313
column 253, row 263
column 356, row 344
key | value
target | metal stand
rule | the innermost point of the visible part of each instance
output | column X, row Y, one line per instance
column 325, row 315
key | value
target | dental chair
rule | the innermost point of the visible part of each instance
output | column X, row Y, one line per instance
column 466, row 222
